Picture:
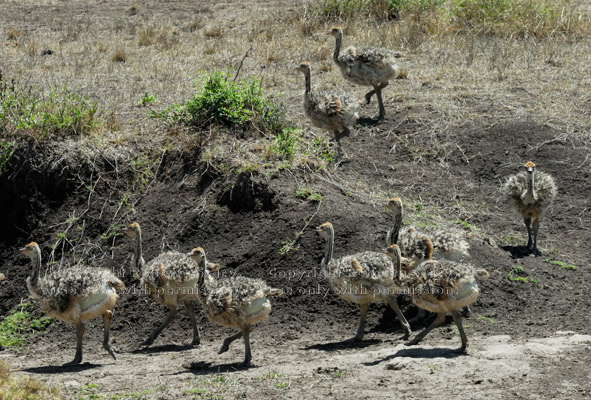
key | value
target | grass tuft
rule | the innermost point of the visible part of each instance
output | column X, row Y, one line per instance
column 119, row 55
column 17, row 388
column 560, row 264
column 59, row 113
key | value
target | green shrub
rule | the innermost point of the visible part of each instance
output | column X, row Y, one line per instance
column 220, row 101
column 58, row 113
column 285, row 143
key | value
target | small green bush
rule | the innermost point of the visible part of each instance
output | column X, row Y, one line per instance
column 285, row 143
column 220, row 101
column 58, row 113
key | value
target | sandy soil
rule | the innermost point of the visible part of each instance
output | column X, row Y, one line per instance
column 496, row 366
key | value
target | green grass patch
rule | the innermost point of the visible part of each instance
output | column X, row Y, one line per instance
column 210, row 388
column 57, row 113
column 513, row 239
column 518, row 274
column 561, row 264
column 21, row 323
column 221, row 102
column 309, row 195
column 483, row 318
column 465, row 224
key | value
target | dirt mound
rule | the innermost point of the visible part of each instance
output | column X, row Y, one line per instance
column 246, row 222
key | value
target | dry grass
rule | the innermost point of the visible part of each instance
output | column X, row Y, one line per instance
column 17, row 388
column 119, row 55
column 13, row 34
column 448, row 71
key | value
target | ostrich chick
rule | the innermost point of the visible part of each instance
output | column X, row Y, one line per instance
column 360, row 278
column 235, row 302
column 371, row 66
column 441, row 287
column 171, row 279
column 329, row 111
column 440, row 243
column 531, row 193
column 75, row 295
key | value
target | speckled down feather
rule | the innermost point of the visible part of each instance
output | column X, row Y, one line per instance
column 545, row 191
column 236, row 293
column 414, row 245
column 177, row 268
column 55, row 289
column 331, row 111
column 449, row 244
column 440, row 278
column 368, row 66
column 367, row 265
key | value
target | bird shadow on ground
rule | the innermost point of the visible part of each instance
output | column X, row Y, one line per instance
column 60, row 369
column 345, row 344
column 368, row 121
column 162, row 349
column 419, row 352
column 207, row 368
column 517, row 251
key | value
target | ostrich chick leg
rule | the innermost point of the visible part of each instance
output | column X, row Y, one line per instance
column 171, row 315
column 361, row 329
column 458, row 321
column 106, row 331
column 228, row 341
column 529, row 232
column 536, row 226
column 372, row 92
column 405, row 325
column 79, row 333
column 191, row 313
column 247, row 356
column 438, row 321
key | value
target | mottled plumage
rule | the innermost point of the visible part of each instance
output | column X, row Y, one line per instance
column 449, row 244
column 170, row 278
column 56, row 290
column 439, row 286
column 170, row 269
column 234, row 302
column 371, row 66
column 438, row 243
column 359, row 278
column 531, row 192
column 414, row 245
column 75, row 294
column 331, row 111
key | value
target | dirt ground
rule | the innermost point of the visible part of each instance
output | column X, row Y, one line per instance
column 526, row 339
